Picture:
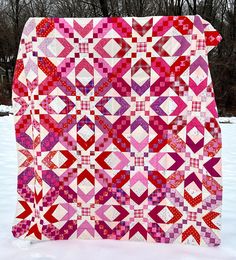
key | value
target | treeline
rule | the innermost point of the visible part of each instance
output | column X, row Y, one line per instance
column 220, row 13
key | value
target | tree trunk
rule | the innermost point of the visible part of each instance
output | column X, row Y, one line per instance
column 104, row 8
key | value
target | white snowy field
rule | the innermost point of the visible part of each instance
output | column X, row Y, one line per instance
column 11, row 248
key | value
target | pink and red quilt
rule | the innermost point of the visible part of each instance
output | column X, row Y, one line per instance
column 117, row 130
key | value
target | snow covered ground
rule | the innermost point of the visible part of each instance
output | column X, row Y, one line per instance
column 11, row 248
column 4, row 108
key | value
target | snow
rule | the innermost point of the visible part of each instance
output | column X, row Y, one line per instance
column 11, row 248
column 227, row 120
column 4, row 108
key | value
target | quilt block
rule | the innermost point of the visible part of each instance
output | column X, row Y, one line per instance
column 116, row 129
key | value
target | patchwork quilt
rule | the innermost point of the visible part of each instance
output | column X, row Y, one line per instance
column 117, row 130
